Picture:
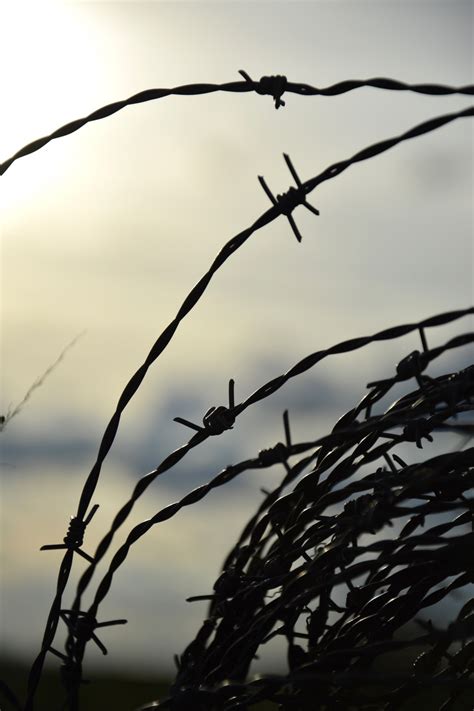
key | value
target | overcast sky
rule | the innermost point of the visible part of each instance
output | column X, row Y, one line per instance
column 107, row 230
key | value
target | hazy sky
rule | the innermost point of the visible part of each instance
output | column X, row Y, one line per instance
column 108, row 229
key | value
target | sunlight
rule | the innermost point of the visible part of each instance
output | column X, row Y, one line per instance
column 46, row 49
column 51, row 53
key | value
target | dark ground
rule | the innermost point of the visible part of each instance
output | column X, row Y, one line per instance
column 119, row 693
column 105, row 693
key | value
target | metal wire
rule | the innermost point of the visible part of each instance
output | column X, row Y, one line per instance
column 266, row 85
column 293, row 556
column 136, row 380
column 410, row 416
column 220, row 418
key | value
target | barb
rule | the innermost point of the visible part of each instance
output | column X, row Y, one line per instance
column 217, row 419
column 160, row 345
column 83, row 625
column 275, row 86
column 287, row 202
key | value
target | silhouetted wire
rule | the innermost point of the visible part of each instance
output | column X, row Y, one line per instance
column 409, row 558
column 266, row 85
column 196, row 293
column 350, row 345
column 440, row 483
column 296, row 197
column 348, row 427
column 142, row 528
column 167, row 334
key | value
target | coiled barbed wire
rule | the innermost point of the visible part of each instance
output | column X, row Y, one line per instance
column 298, row 553
column 275, row 87
column 413, row 414
column 158, row 347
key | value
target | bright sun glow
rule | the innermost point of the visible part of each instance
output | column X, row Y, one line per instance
column 50, row 53
column 46, row 48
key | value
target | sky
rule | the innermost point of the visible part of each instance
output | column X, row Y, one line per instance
column 104, row 233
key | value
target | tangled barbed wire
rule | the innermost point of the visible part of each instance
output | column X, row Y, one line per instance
column 434, row 405
column 300, row 546
column 335, row 565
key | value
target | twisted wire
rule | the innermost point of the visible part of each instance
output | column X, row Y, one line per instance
column 389, row 419
column 407, row 572
column 264, row 391
column 235, row 87
column 165, row 337
column 196, row 293
column 354, row 344
column 163, row 340
column 296, row 591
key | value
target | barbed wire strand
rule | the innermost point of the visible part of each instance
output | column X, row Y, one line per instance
column 191, row 300
column 264, row 86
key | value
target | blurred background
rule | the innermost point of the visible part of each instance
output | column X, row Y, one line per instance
column 105, row 231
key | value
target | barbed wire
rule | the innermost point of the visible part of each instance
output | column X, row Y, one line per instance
column 265, row 391
column 301, row 546
column 196, row 293
column 284, row 204
column 221, row 418
column 273, row 86
column 415, row 426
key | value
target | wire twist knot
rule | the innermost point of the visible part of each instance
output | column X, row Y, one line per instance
column 75, row 535
column 289, row 200
column 274, row 86
column 83, row 625
column 217, row 419
column 274, row 455
column 293, row 197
